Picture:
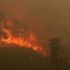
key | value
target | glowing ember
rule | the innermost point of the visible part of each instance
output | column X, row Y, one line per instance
column 29, row 42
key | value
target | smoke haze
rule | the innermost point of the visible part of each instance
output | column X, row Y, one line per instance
column 42, row 16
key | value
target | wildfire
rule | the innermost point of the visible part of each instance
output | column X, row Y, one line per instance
column 29, row 42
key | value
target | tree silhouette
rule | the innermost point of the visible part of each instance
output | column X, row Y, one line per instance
column 2, row 25
column 58, row 61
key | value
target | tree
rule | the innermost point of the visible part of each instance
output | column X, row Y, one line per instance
column 2, row 25
column 58, row 61
column 2, row 35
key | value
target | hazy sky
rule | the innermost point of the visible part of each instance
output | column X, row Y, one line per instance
column 52, row 16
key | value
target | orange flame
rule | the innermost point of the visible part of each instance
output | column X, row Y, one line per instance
column 29, row 42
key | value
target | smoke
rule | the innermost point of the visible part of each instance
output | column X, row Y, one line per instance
column 42, row 16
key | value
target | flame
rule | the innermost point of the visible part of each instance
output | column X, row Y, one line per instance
column 29, row 42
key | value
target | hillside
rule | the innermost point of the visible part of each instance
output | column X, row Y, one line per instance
column 14, row 58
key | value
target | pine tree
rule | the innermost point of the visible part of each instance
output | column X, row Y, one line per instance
column 58, row 61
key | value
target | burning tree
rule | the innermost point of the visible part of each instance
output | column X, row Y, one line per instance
column 2, row 34
column 57, row 59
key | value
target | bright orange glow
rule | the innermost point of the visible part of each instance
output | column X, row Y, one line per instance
column 29, row 42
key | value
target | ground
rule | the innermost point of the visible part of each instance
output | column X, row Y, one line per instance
column 14, row 58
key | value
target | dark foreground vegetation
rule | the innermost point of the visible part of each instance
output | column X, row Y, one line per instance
column 14, row 58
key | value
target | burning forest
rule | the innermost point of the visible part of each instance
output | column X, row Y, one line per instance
column 9, row 35
column 27, row 49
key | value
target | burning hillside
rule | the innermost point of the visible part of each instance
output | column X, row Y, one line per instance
column 10, row 35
